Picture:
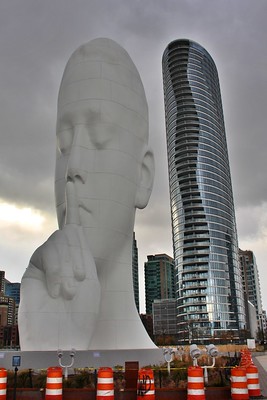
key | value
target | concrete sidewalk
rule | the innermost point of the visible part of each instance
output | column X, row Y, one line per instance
column 261, row 364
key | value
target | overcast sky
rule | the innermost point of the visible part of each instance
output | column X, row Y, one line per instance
column 36, row 39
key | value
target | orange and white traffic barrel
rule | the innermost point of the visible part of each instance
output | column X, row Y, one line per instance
column 246, row 358
column 253, row 381
column 145, row 384
column 195, row 383
column 239, row 387
column 3, row 383
column 105, row 384
column 53, row 390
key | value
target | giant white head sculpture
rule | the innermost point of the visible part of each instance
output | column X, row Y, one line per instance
column 80, row 280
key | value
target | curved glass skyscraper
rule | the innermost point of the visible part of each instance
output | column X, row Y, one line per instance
column 209, row 285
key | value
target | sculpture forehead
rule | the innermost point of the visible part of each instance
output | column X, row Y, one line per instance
column 103, row 50
column 103, row 70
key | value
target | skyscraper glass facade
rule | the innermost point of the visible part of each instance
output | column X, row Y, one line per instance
column 135, row 272
column 208, row 277
column 251, row 281
column 159, row 279
column 13, row 290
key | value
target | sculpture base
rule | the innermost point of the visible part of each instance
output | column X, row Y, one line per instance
column 82, row 359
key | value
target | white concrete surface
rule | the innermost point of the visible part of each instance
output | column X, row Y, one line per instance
column 82, row 359
column 77, row 291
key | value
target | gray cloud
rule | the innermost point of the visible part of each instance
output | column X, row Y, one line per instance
column 36, row 39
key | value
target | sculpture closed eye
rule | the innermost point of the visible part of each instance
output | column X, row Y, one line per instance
column 100, row 136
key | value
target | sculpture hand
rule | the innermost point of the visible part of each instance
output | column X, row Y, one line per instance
column 61, row 291
column 55, row 259
column 65, row 258
column 63, row 261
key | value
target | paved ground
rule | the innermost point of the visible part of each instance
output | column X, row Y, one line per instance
column 261, row 364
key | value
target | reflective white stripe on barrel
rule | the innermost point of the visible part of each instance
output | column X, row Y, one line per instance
column 105, row 392
column 105, row 380
column 150, row 392
column 239, row 391
column 195, row 391
column 53, row 392
column 238, row 379
column 255, row 386
column 252, row 376
column 53, row 380
column 195, row 379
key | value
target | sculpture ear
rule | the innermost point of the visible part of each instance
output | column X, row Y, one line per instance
column 146, row 179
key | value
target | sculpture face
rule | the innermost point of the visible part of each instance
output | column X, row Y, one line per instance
column 97, row 158
column 102, row 131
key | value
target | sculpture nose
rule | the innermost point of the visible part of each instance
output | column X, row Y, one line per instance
column 75, row 174
column 75, row 170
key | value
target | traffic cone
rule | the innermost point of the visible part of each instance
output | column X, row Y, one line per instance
column 53, row 389
column 105, row 384
column 195, row 384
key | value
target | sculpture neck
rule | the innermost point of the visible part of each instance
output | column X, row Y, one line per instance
column 112, row 252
